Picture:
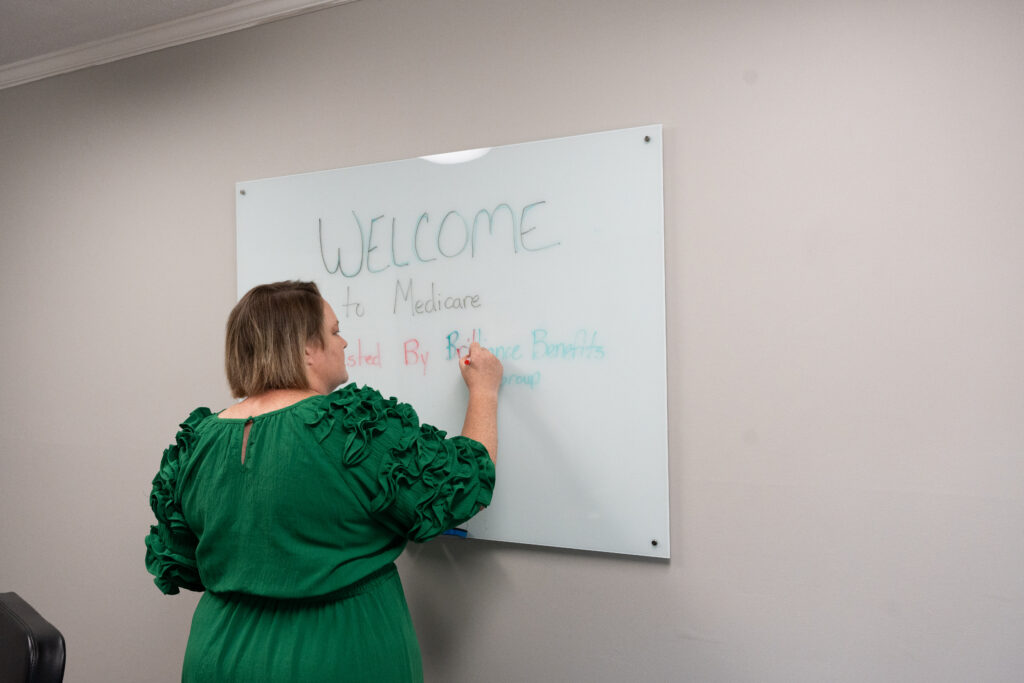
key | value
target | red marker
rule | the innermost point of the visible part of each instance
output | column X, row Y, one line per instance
column 465, row 362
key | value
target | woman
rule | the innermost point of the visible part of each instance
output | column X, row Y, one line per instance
column 289, row 508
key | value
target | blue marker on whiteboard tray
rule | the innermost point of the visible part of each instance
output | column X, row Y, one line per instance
column 461, row 533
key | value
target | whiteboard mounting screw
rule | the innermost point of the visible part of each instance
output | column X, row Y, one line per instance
column 654, row 543
column 647, row 138
column 241, row 192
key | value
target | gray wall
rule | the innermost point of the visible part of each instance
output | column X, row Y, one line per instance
column 844, row 241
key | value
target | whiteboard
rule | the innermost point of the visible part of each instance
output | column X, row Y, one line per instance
column 549, row 253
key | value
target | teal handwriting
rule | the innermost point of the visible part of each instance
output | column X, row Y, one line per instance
column 350, row 248
column 582, row 346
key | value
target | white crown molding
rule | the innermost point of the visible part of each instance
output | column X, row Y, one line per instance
column 234, row 17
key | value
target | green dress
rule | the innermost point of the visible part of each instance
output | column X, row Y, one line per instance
column 295, row 545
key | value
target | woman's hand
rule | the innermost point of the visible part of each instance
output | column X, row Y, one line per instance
column 482, row 375
column 482, row 372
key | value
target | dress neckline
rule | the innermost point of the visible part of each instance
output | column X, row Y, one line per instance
column 269, row 412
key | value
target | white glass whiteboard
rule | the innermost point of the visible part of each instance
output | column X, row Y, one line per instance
column 549, row 253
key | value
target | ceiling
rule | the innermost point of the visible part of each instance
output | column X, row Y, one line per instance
column 41, row 38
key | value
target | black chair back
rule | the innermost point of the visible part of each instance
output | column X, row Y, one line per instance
column 31, row 648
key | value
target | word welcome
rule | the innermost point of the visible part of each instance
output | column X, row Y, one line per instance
column 369, row 244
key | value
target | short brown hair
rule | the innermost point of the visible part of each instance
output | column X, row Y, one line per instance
column 267, row 333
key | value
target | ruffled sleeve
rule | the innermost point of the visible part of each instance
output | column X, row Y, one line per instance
column 412, row 478
column 171, row 545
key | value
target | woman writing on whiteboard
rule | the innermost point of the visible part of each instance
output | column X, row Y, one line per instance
column 289, row 508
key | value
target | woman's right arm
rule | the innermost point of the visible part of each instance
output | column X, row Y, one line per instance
column 483, row 378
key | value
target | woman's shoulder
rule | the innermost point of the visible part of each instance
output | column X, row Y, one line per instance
column 346, row 400
column 195, row 418
column 185, row 441
column 360, row 408
column 192, row 427
column 352, row 394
